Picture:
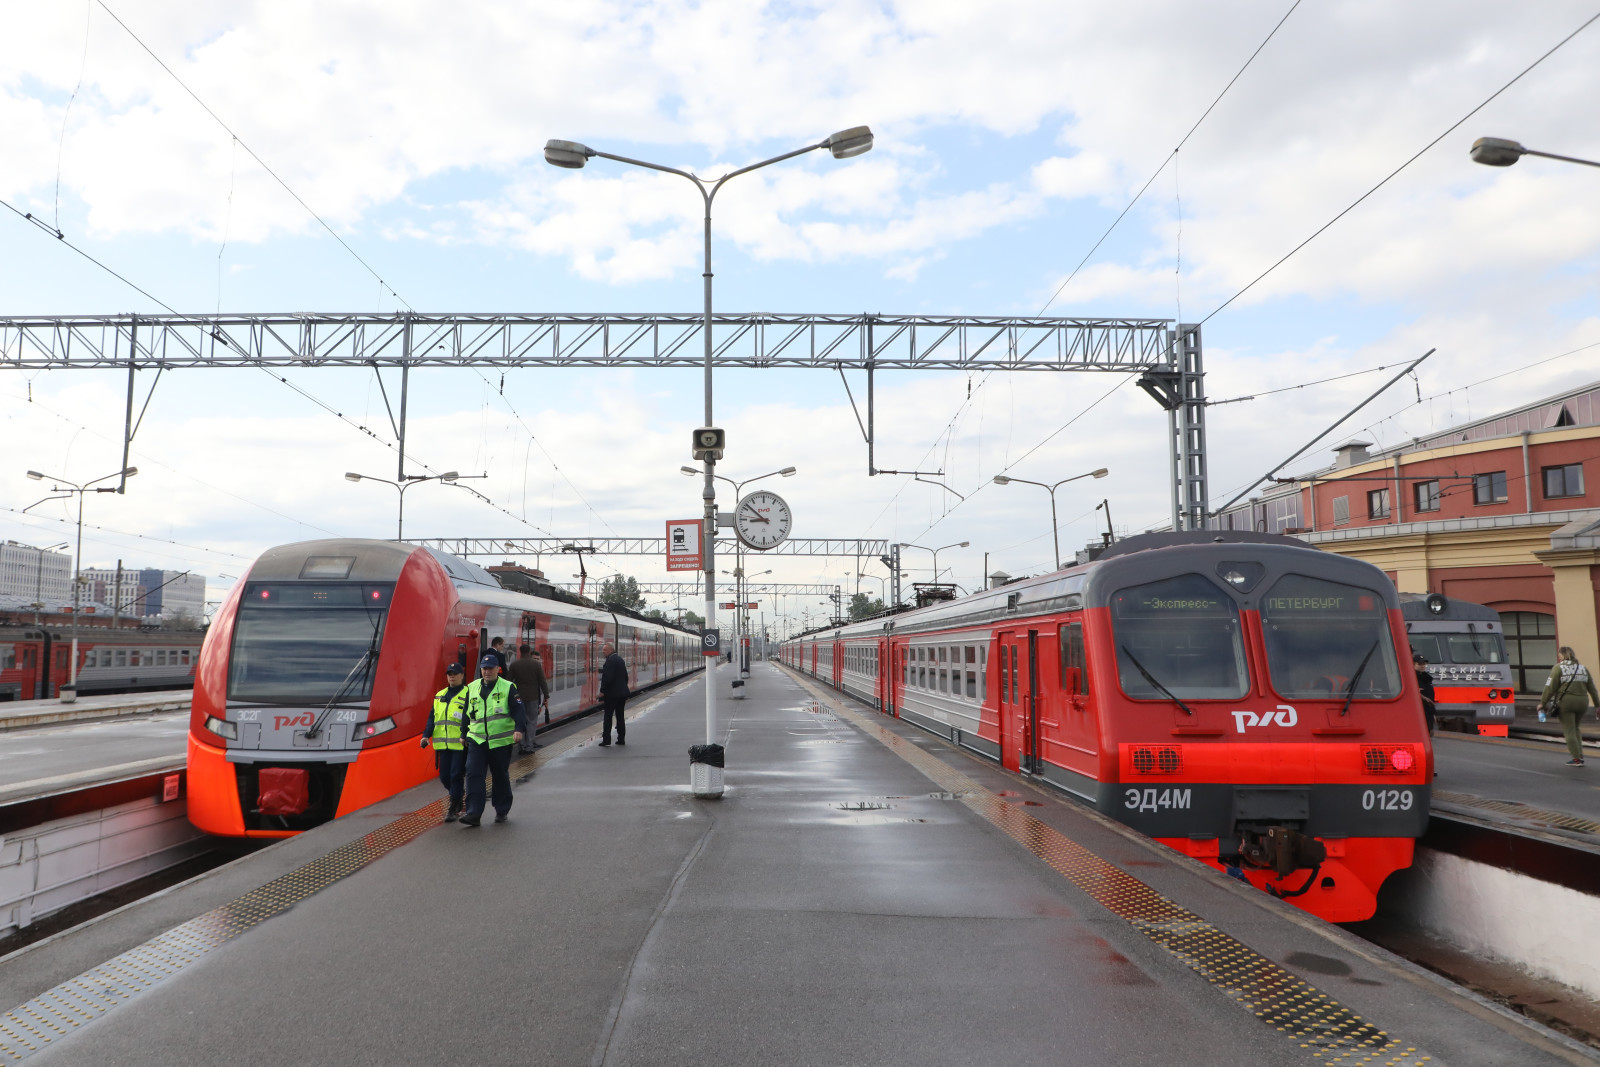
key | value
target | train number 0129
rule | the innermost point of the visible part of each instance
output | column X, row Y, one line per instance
column 1387, row 800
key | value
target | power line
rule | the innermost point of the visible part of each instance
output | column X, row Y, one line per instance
column 125, row 533
column 1302, row 385
column 59, row 236
column 274, row 174
column 1452, row 128
column 1170, row 157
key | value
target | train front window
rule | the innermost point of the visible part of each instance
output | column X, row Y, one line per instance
column 1179, row 638
column 303, row 644
column 1328, row 640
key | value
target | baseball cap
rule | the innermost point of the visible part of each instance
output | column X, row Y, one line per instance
column 488, row 661
column 455, row 668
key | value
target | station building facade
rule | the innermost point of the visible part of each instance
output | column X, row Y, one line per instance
column 1503, row 512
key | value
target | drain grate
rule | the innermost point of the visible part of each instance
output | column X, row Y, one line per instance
column 58, row 1012
column 1329, row 1031
column 1516, row 809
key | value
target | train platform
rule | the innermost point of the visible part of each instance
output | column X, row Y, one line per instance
column 1518, row 785
column 862, row 894
column 20, row 714
column 64, row 757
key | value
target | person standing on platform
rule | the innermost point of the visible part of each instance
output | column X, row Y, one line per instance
column 1424, row 686
column 527, row 674
column 613, row 694
column 1570, row 690
column 446, row 732
column 498, row 651
column 496, row 722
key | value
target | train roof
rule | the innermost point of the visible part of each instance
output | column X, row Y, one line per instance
column 1415, row 607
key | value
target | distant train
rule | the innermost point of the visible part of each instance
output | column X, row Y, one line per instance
column 319, row 672
column 35, row 660
column 1243, row 698
column 1465, row 647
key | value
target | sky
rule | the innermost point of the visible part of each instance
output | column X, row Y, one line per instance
column 385, row 156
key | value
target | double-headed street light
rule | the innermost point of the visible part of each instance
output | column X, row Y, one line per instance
column 1001, row 479
column 67, row 489
column 407, row 483
column 572, row 155
column 935, row 551
column 1499, row 152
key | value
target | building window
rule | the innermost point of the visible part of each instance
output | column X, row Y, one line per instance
column 1378, row 504
column 1425, row 496
column 1341, row 510
column 1530, row 646
column 1489, row 488
column 1563, row 481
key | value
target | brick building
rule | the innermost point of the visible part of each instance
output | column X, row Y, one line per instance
column 1503, row 512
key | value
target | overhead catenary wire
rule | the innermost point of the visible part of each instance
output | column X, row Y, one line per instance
column 252, row 152
column 1418, row 155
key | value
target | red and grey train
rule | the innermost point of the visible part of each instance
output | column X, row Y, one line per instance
column 319, row 670
column 35, row 659
column 1244, row 698
column 1465, row 647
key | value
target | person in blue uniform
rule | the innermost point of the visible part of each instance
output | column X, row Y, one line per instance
column 446, row 732
column 496, row 721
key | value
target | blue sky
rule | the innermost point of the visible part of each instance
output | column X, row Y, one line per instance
column 1009, row 138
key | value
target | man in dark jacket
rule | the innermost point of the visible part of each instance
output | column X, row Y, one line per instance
column 498, row 651
column 613, row 694
column 527, row 674
column 1425, row 686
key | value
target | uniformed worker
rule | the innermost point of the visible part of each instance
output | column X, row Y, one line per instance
column 1569, row 692
column 496, row 722
column 446, row 730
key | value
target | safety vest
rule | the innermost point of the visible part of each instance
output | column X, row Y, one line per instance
column 490, row 723
column 448, row 719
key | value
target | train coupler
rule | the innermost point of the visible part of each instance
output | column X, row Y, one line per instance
column 1281, row 849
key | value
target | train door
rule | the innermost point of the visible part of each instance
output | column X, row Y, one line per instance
column 1078, row 729
column 1012, row 724
column 880, row 672
column 1029, row 759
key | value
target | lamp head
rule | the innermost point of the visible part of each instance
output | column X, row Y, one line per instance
column 787, row 472
column 36, row 476
column 449, row 476
column 1001, row 479
column 351, row 476
column 964, row 544
column 855, row 141
column 129, row 472
column 1496, row 151
column 1101, row 473
column 690, row 471
column 568, row 154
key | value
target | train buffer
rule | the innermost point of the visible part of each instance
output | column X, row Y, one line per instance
column 863, row 893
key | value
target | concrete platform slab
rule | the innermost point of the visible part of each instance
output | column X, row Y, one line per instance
column 862, row 894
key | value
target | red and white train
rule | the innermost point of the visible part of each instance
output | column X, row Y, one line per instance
column 1243, row 698
column 35, row 659
column 319, row 671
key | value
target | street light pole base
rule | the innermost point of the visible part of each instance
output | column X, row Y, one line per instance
column 705, row 771
column 69, row 694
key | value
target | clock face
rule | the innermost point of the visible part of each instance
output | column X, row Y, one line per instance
column 763, row 520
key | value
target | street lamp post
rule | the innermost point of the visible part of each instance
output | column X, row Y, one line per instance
column 935, row 551
column 1001, row 479
column 573, row 155
column 738, row 571
column 406, row 483
column 69, row 692
column 1499, row 152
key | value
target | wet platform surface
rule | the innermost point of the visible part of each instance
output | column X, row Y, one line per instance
column 54, row 759
column 1519, row 785
column 25, row 714
column 863, row 894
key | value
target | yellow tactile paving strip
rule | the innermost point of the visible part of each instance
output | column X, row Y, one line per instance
column 58, row 1012
column 1517, row 810
column 1328, row 1031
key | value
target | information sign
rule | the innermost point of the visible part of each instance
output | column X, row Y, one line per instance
column 711, row 643
column 683, row 545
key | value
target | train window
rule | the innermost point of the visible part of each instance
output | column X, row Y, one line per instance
column 27, row 658
column 1074, row 670
column 1005, row 675
column 184, row 655
column 944, row 681
column 122, row 657
column 1431, row 646
column 983, row 673
column 1179, row 638
column 88, row 659
column 306, row 644
column 1325, row 639
column 8, row 658
column 1476, row 648
column 1016, row 677
column 972, row 684
column 161, row 657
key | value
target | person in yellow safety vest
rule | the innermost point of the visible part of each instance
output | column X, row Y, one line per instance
column 496, row 723
column 446, row 729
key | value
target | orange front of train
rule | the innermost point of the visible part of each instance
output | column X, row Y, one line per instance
column 1260, row 716
column 315, row 681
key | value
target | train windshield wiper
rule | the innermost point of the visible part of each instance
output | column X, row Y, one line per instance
column 1350, row 690
column 368, row 657
column 1152, row 680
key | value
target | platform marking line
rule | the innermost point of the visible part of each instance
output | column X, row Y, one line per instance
column 1332, row 1033
column 58, row 1012
column 1518, row 810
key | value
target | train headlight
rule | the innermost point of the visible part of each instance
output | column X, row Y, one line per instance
column 222, row 727
column 365, row 730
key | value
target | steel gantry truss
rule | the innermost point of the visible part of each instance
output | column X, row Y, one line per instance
column 468, row 547
column 1167, row 356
